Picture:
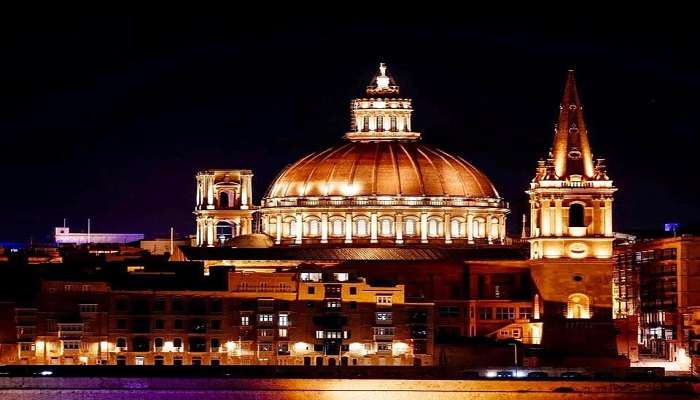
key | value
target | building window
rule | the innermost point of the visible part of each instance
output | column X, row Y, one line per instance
column 311, row 276
column 386, row 226
column 224, row 231
column 384, row 300
column 383, row 317
column 216, row 324
column 158, row 344
column 314, row 227
column 505, row 313
column 265, row 318
column 159, row 305
column 578, row 307
column 311, row 290
column 264, row 347
column 410, row 227
column 283, row 319
column 282, row 332
column 159, row 324
column 178, row 324
column 337, row 227
column 516, row 334
column 215, row 344
column 361, row 227
column 158, row 360
column 319, row 334
column 576, row 213
column 353, row 290
column 525, row 312
column 383, row 331
column 26, row 346
column 449, row 311
column 383, row 347
column 494, row 228
column 245, row 320
column 392, row 123
column 223, row 200
column 177, row 343
column 479, row 228
column 485, row 313
column 71, row 345
column 433, row 228
column 333, row 304
column 121, row 324
column 341, row 276
column 88, row 308
column 455, row 228
column 121, row 343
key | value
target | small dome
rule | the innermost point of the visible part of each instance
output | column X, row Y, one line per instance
column 382, row 168
column 254, row 240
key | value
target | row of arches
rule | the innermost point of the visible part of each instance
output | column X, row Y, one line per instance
column 386, row 226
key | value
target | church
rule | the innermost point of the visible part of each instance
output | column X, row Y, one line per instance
column 392, row 211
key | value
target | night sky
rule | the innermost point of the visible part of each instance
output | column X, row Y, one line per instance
column 110, row 118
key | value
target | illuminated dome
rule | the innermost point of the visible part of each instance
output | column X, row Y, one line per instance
column 383, row 185
column 382, row 168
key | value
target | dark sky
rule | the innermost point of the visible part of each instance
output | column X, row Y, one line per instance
column 110, row 118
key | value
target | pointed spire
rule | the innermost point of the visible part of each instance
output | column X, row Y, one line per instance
column 571, row 150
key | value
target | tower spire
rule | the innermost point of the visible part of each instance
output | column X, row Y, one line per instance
column 571, row 150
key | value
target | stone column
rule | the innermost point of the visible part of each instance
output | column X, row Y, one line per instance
column 470, row 228
column 373, row 228
column 210, row 232
column 424, row 227
column 324, row 227
column 608, row 217
column 558, row 219
column 488, row 228
column 544, row 229
column 447, row 225
column 348, row 228
column 278, row 231
column 199, row 192
column 300, row 228
column 210, row 192
column 502, row 230
column 398, row 228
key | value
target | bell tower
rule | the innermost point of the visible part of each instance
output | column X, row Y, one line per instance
column 571, row 195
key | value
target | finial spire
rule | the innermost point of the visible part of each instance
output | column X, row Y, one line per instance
column 571, row 150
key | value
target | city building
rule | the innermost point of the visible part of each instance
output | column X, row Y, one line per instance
column 657, row 283
column 63, row 236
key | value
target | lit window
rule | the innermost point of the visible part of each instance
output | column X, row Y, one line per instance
column 264, row 317
column 283, row 319
column 313, row 229
column 410, row 227
column 361, row 227
column 282, row 332
column 264, row 347
column 455, row 228
column 333, row 304
column 319, row 334
column 385, row 317
column 71, row 344
column 578, row 306
column 245, row 320
column 338, row 227
column 383, row 331
column 479, row 228
column 292, row 228
column 88, row 308
column 386, row 227
column 384, row 300
column 494, row 228
column 341, row 276
column 433, row 227
column 505, row 313
column 383, row 347
column 310, row 276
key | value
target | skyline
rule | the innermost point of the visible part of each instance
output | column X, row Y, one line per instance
column 121, row 123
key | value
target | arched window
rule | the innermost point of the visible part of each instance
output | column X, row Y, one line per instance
column 578, row 307
column 224, row 231
column 313, row 227
column 385, row 229
column 272, row 226
column 455, row 228
column 292, row 228
column 393, row 123
column 479, row 228
column 361, row 227
column 433, row 228
column 365, row 124
column 495, row 228
column 410, row 227
column 337, row 227
column 223, row 200
column 576, row 212
column 380, row 123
